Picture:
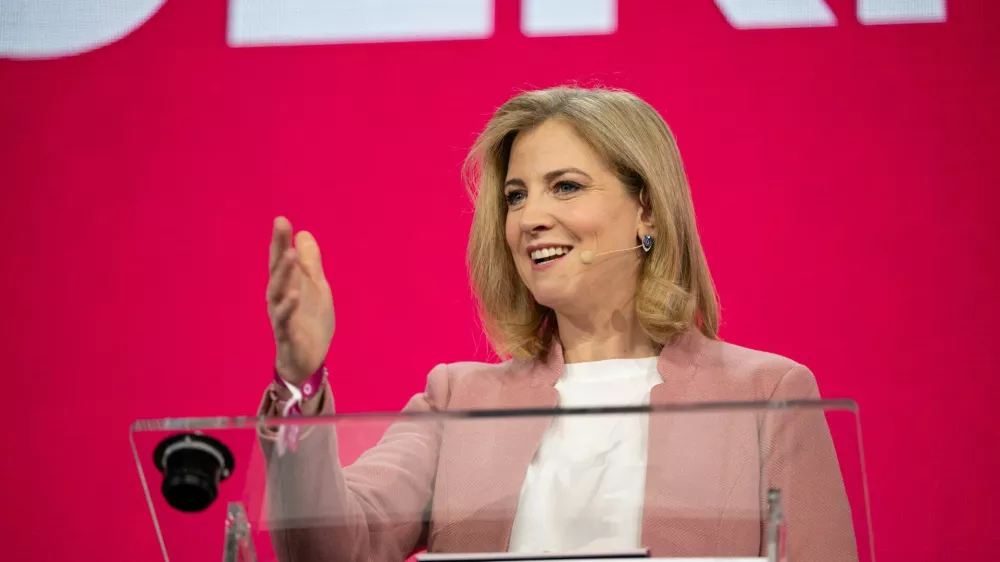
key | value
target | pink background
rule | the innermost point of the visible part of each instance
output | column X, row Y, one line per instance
column 845, row 180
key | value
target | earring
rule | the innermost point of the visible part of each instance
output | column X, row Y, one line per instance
column 647, row 243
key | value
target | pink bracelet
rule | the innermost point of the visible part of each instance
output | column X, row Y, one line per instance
column 309, row 389
column 288, row 437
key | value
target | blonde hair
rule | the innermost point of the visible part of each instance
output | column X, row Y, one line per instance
column 674, row 288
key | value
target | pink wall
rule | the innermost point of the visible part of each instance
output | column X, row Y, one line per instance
column 845, row 180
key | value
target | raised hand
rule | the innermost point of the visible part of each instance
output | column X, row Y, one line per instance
column 299, row 303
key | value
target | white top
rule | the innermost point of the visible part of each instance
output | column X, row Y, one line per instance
column 584, row 488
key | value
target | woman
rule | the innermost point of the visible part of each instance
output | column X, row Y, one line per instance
column 585, row 258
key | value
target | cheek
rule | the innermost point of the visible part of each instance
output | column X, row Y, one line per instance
column 608, row 224
column 513, row 234
column 587, row 217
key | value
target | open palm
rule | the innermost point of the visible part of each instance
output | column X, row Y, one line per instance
column 299, row 303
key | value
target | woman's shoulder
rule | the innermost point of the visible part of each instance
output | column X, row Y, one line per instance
column 467, row 384
column 736, row 358
column 754, row 373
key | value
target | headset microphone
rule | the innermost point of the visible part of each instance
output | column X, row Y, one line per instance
column 587, row 256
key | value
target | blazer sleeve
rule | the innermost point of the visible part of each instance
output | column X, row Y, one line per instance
column 375, row 508
column 799, row 458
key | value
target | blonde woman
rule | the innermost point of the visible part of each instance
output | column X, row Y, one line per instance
column 586, row 261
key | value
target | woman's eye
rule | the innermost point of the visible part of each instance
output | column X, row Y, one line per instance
column 565, row 187
column 514, row 197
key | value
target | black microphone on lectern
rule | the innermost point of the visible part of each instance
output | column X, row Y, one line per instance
column 587, row 256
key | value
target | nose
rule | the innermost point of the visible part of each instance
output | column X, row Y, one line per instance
column 535, row 217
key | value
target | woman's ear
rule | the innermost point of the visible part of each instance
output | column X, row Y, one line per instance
column 645, row 209
column 644, row 221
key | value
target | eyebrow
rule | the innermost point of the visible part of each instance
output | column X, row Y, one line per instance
column 549, row 177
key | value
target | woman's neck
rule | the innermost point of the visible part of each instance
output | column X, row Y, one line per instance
column 615, row 336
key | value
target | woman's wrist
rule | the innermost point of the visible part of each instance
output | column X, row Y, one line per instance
column 296, row 374
column 310, row 387
column 299, row 403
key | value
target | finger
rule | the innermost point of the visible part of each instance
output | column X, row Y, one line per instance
column 281, row 240
column 284, row 310
column 309, row 254
column 278, row 284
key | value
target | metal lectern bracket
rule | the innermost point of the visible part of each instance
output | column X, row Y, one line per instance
column 775, row 527
column 239, row 544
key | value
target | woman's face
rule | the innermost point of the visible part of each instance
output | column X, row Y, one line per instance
column 562, row 200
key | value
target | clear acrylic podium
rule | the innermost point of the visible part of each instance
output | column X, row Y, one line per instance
column 709, row 481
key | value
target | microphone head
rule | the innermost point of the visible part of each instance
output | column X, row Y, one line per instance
column 587, row 256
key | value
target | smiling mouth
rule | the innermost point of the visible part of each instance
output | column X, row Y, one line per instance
column 549, row 254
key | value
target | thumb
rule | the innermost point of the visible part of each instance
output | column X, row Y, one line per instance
column 309, row 255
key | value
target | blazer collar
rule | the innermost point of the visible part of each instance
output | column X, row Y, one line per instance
column 677, row 364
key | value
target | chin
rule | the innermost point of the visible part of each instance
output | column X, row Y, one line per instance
column 554, row 298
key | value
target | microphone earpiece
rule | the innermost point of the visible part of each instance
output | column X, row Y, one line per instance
column 587, row 256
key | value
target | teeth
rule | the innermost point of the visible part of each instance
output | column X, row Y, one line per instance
column 549, row 252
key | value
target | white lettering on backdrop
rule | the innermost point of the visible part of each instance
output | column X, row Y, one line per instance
column 33, row 29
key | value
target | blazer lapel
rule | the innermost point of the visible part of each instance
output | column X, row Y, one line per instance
column 530, row 385
column 677, row 365
column 665, row 529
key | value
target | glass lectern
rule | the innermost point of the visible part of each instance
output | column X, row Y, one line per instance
column 775, row 481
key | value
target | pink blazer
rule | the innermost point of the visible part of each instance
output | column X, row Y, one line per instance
column 455, row 488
